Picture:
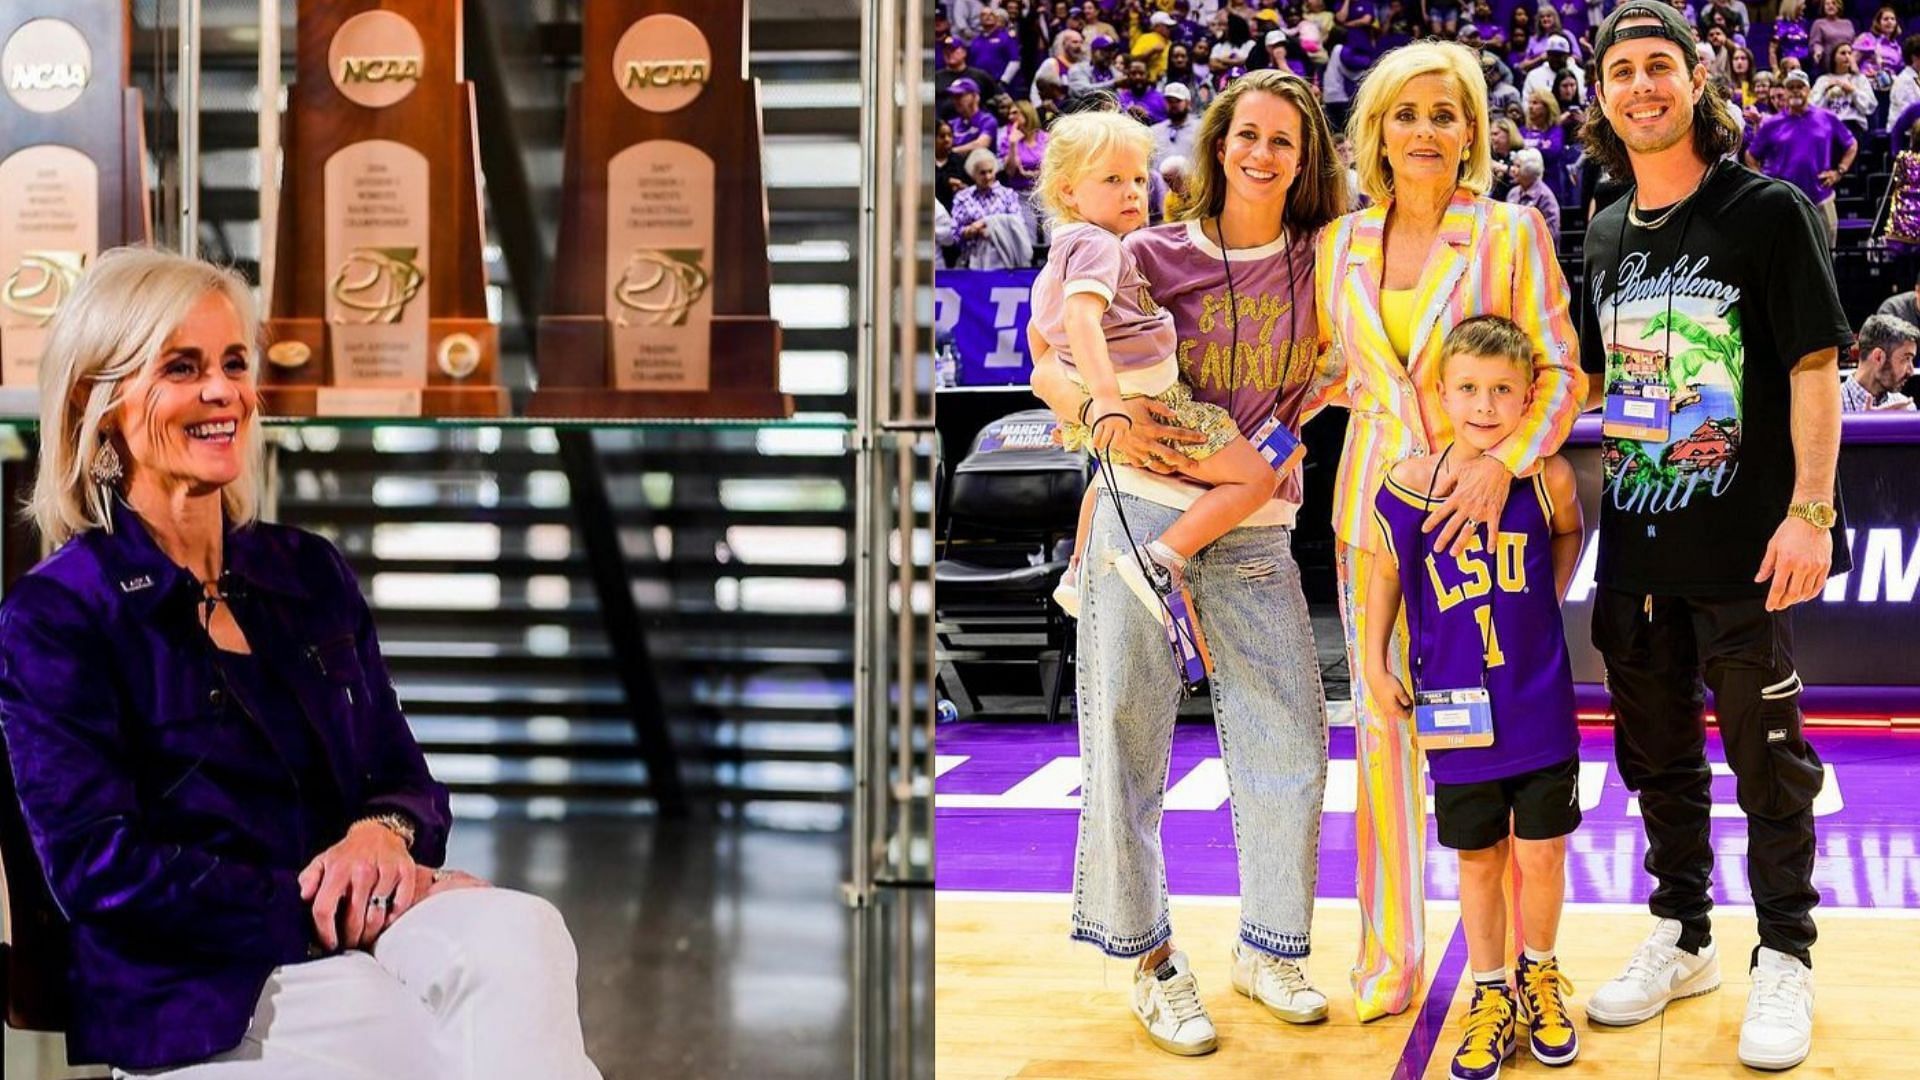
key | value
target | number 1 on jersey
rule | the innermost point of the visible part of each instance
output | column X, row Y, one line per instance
column 1488, row 636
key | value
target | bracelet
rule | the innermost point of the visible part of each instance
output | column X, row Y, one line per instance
column 1104, row 417
column 1084, row 406
column 395, row 823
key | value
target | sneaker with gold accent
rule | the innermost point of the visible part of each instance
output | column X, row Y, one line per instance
column 1543, row 1008
column 1489, row 1036
column 1278, row 982
column 1166, row 999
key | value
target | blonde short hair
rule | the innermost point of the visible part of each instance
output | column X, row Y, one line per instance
column 1493, row 337
column 1077, row 143
column 113, row 326
column 1382, row 88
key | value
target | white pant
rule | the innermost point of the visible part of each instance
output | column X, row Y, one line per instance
column 471, row 984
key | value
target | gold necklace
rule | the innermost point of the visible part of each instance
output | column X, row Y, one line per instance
column 1633, row 210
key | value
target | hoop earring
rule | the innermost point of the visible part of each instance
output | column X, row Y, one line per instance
column 105, row 470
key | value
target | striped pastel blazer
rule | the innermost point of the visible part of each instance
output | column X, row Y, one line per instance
column 1491, row 258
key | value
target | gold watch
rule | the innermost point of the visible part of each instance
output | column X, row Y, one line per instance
column 1818, row 514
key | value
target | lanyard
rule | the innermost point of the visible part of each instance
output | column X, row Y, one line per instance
column 1233, row 306
column 1419, row 572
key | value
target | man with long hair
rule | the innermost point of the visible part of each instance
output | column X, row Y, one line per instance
column 1713, row 315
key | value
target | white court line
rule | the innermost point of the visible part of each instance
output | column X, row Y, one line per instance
column 1348, row 903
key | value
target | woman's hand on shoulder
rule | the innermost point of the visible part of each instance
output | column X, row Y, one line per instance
column 1476, row 493
column 371, row 863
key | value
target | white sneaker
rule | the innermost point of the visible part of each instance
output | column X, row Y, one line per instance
column 1660, row 972
column 1278, row 982
column 1778, row 1030
column 1067, row 592
column 1167, row 1001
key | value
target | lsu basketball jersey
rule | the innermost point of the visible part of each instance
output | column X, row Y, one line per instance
column 1488, row 618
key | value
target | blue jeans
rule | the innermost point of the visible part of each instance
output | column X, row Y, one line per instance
column 1267, row 705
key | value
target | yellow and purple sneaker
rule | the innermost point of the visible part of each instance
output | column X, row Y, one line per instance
column 1489, row 1036
column 1543, row 1008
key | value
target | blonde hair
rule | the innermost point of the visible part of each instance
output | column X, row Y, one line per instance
column 1494, row 337
column 1390, row 76
column 1546, row 98
column 1505, row 123
column 1030, row 128
column 113, row 326
column 1319, row 192
column 1077, row 143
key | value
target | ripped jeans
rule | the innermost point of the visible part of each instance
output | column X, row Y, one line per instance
column 1267, row 706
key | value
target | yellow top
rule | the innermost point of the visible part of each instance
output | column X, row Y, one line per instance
column 1396, row 312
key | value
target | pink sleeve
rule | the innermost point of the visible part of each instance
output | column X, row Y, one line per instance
column 1092, row 263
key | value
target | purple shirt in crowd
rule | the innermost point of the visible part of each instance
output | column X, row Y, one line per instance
column 1087, row 258
column 992, row 53
column 1798, row 149
column 1262, row 361
column 1790, row 39
column 1153, row 102
column 968, row 128
column 1028, row 153
column 1541, row 198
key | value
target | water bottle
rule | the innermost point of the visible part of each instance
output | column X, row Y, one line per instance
column 946, row 366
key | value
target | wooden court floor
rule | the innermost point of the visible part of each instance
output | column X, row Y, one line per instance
column 1015, row 998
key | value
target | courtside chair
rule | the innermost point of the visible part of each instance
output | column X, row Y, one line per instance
column 1007, row 516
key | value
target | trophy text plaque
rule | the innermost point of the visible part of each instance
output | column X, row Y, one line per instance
column 72, row 163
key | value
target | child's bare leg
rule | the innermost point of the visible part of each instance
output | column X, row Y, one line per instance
column 1087, row 503
column 1483, row 907
column 1242, row 483
column 1055, row 389
column 1543, row 871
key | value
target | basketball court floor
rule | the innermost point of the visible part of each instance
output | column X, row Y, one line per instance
column 1016, row 999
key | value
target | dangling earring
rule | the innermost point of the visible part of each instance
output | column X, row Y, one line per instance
column 105, row 471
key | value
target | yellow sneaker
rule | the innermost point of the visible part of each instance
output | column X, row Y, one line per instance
column 1543, row 1008
column 1488, row 1037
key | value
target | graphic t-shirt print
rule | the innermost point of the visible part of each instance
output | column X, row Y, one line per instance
column 1678, row 326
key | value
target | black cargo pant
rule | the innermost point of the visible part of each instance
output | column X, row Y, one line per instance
column 1656, row 650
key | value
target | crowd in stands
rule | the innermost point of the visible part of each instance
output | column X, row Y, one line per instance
column 1823, row 88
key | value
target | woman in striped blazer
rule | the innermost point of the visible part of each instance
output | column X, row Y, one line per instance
column 1392, row 279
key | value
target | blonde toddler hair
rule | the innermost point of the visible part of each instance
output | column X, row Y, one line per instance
column 1077, row 143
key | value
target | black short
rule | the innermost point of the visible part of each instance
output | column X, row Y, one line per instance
column 1543, row 804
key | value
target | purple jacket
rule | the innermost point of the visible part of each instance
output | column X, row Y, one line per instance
column 165, row 822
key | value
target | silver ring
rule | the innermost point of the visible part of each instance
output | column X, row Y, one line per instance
column 378, row 903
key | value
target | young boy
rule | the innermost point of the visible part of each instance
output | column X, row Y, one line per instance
column 1487, row 620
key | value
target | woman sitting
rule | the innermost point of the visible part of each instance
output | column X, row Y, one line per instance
column 227, row 803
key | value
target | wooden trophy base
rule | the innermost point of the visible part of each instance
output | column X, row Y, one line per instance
column 341, row 402
column 744, row 383
column 308, row 389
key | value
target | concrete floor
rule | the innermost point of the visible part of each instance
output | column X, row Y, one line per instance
column 711, row 950
column 707, row 950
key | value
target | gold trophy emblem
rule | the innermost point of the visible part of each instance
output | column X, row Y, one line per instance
column 660, row 286
column 41, row 283
column 374, row 285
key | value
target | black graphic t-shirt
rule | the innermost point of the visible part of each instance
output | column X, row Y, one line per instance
column 1718, row 303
